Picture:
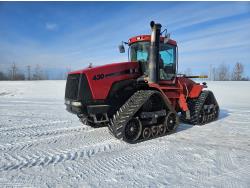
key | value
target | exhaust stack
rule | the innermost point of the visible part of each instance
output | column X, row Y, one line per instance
column 154, row 52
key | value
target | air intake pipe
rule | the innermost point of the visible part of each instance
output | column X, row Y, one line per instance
column 154, row 52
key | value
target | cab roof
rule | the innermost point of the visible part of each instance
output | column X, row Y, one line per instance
column 140, row 38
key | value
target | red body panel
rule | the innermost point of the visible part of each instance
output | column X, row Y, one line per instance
column 195, row 92
column 102, row 78
column 177, row 91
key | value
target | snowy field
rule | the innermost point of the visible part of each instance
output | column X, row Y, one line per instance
column 42, row 145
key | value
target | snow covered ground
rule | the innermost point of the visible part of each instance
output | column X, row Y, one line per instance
column 42, row 145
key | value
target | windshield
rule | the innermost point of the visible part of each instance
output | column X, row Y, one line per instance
column 167, row 58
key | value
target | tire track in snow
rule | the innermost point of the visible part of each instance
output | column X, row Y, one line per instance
column 29, row 143
column 238, row 117
column 107, row 165
column 12, row 162
column 224, row 160
column 36, row 125
column 36, row 133
column 100, row 167
column 21, row 116
column 88, row 133
column 234, row 121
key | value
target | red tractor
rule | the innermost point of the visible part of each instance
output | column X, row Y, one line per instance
column 142, row 98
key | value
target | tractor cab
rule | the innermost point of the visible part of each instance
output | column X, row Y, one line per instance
column 139, row 50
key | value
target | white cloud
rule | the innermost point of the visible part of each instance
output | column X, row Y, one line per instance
column 51, row 26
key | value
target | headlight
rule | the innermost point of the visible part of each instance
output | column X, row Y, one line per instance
column 76, row 103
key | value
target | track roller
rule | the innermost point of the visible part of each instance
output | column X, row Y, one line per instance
column 154, row 130
column 146, row 133
column 162, row 129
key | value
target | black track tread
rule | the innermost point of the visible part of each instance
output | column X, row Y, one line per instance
column 195, row 107
column 127, row 111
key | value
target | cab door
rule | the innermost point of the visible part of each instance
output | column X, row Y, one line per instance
column 167, row 62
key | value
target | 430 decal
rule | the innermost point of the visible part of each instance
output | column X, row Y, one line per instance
column 98, row 77
column 102, row 76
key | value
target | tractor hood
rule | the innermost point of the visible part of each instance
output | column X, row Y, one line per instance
column 106, row 67
column 101, row 78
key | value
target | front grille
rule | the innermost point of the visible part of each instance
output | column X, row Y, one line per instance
column 84, row 91
column 77, row 88
column 72, row 85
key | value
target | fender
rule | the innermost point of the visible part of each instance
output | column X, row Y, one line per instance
column 195, row 91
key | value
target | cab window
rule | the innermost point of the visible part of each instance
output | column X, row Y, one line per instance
column 167, row 62
column 167, row 58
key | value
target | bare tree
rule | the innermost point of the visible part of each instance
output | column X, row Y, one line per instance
column 213, row 77
column 211, row 72
column 38, row 73
column 28, row 72
column 223, row 72
column 238, row 71
column 13, row 71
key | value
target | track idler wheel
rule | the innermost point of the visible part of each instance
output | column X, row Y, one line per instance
column 133, row 130
column 146, row 133
column 170, row 121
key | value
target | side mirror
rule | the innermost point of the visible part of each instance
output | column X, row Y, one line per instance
column 121, row 48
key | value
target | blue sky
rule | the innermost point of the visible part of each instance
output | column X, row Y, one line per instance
column 63, row 35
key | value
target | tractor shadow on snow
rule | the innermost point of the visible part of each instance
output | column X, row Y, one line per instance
column 184, row 126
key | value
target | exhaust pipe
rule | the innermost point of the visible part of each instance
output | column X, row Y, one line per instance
column 154, row 52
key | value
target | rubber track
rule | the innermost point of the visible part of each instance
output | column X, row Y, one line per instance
column 196, row 107
column 127, row 111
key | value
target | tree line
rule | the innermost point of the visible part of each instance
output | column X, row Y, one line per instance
column 222, row 72
column 15, row 73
